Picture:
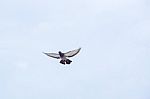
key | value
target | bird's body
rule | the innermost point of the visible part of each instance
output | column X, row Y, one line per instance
column 63, row 56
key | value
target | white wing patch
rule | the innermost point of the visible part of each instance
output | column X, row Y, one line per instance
column 72, row 53
column 53, row 55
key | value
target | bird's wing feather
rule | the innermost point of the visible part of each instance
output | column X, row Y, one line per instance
column 53, row 55
column 72, row 53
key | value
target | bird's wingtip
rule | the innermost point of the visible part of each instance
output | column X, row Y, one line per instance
column 79, row 48
column 43, row 52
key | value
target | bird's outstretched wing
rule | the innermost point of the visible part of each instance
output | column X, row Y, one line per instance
column 72, row 53
column 53, row 55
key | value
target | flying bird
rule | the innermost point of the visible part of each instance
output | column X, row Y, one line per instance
column 64, row 56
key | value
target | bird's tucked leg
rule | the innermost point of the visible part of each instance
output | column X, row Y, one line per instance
column 68, row 61
column 62, row 62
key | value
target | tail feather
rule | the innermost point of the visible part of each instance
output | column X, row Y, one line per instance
column 68, row 61
column 62, row 62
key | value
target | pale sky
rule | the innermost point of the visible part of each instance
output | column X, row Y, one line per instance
column 114, row 62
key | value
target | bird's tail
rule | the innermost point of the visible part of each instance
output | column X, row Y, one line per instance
column 62, row 62
column 68, row 61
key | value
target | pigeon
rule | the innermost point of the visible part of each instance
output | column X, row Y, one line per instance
column 64, row 56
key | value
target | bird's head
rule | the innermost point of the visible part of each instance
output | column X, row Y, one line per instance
column 61, row 54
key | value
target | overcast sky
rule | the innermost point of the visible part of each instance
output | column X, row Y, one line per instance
column 114, row 62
